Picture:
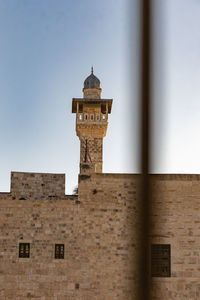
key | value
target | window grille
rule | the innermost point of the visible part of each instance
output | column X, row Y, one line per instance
column 59, row 251
column 24, row 250
column 160, row 260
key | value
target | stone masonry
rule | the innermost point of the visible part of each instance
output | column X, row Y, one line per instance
column 99, row 229
column 176, row 221
column 95, row 227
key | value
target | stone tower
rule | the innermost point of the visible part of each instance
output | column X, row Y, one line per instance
column 91, row 124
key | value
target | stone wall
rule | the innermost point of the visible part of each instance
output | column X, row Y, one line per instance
column 109, row 209
column 37, row 184
column 95, row 228
column 176, row 221
column 99, row 229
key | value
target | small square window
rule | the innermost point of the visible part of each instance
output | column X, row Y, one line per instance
column 76, row 286
column 24, row 250
column 160, row 260
column 59, row 251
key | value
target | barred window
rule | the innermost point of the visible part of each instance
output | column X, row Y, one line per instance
column 160, row 260
column 24, row 250
column 59, row 251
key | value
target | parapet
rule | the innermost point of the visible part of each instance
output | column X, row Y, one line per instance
column 38, row 184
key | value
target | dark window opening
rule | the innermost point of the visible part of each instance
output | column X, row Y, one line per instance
column 80, row 108
column 160, row 260
column 24, row 250
column 103, row 108
column 59, row 251
column 77, row 286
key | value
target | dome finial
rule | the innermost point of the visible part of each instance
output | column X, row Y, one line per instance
column 92, row 70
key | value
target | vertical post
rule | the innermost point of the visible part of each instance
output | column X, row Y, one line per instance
column 145, row 146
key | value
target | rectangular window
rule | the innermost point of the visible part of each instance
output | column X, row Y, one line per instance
column 59, row 251
column 160, row 260
column 103, row 108
column 24, row 250
column 80, row 108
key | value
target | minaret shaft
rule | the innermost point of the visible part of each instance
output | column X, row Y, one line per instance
column 91, row 155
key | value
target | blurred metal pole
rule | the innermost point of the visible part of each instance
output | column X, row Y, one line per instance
column 145, row 144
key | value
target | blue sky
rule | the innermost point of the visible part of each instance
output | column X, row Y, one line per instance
column 176, row 144
column 47, row 49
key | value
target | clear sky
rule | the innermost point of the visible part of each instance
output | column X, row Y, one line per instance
column 47, row 49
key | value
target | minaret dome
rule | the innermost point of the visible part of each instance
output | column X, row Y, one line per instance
column 92, row 87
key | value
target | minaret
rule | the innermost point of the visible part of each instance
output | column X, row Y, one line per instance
column 91, row 124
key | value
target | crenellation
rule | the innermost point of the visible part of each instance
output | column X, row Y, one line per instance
column 25, row 184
